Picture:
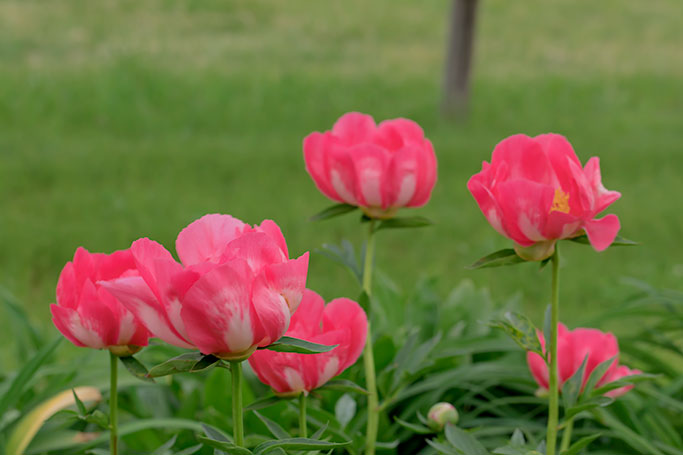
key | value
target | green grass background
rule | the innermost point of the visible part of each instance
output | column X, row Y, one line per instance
column 123, row 119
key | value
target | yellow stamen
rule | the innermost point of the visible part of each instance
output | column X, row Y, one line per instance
column 560, row 201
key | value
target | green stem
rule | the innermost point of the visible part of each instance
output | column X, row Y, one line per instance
column 553, row 410
column 113, row 405
column 567, row 435
column 237, row 419
column 303, row 430
column 368, row 360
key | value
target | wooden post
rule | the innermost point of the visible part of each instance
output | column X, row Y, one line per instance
column 459, row 58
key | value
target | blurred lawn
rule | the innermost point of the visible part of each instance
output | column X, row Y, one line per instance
column 121, row 119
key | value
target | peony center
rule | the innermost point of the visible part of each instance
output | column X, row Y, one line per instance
column 560, row 202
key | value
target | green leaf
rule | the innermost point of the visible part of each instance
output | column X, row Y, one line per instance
column 264, row 402
column 625, row 381
column 189, row 362
column 517, row 438
column 594, row 403
column 547, row 327
column 345, row 409
column 618, row 241
column 404, row 222
column 190, row 450
column 415, row 428
column 227, row 447
column 214, row 433
column 521, row 330
column 572, row 387
column 580, row 444
column 298, row 444
column 275, row 429
column 464, row 441
column 16, row 388
column 442, row 448
column 333, row 211
column 343, row 385
column 500, row 258
column 343, row 254
column 136, row 368
column 596, row 375
column 98, row 418
column 79, row 404
column 289, row 344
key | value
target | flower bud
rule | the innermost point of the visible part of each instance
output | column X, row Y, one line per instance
column 440, row 414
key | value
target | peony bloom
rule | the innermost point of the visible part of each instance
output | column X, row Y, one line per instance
column 342, row 322
column 233, row 291
column 572, row 348
column 377, row 167
column 535, row 192
column 86, row 313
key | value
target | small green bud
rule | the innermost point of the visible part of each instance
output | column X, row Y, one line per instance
column 440, row 414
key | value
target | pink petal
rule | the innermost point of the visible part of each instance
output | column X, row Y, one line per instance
column 396, row 133
column 68, row 290
column 217, row 312
column 288, row 279
column 278, row 370
column 349, row 318
column 273, row 230
column 487, row 203
column 597, row 346
column 370, row 163
column 316, row 148
column 256, row 248
column 558, row 150
column 603, row 197
column 601, row 233
column 525, row 208
column 342, row 174
column 354, row 128
column 538, row 368
column 427, row 176
column 96, row 316
column 524, row 158
column 68, row 321
column 307, row 319
column 205, row 239
column 619, row 373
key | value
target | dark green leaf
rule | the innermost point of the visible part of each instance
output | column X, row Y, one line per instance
column 618, row 241
column 580, row 444
column 333, row 211
column 572, row 387
column 596, row 375
column 442, row 448
column 264, row 402
column 298, row 444
column 404, row 222
column 343, row 385
column 415, row 428
column 273, row 427
column 289, row 344
column 98, row 418
column 79, row 404
column 136, row 368
column 498, row 259
column 189, row 362
column 521, row 330
column 227, row 447
column 464, row 441
column 594, row 403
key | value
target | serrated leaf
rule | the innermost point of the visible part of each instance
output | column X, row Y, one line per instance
column 290, row 344
column 618, row 241
column 404, row 222
column 224, row 446
column 343, row 385
column 275, row 429
column 464, row 441
column 580, row 444
column 333, row 211
column 136, row 368
column 298, row 444
column 189, row 362
column 264, row 402
column 415, row 428
column 499, row 258
column 572, row 387
column 521, row 330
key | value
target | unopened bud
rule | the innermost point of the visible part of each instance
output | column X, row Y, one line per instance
column 440, row 414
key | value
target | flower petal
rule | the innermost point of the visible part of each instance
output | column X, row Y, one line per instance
column 205, row 239
column 602, row 232
column 316, row 148
column 353, row 128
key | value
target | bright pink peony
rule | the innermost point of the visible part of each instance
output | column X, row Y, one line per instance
column 572, row 348
column 86, row 313
column 342, row 322
column 379, row 168
column 234, row 290
column 535, row 192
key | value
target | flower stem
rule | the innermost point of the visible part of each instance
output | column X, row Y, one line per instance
column 303, row 430
column 237, row 418
column 113, row 405
column 553, row 409
column 368, row 360
column 567, row 435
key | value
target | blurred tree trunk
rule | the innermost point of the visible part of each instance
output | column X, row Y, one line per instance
column 459, row 58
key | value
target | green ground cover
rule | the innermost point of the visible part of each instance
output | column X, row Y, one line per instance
column 128, row 119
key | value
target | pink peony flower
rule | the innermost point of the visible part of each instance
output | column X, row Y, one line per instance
column 572, row 348
column 342, row 322
column 535, row 192
column 86, row 313
column 377, row 167
column 234, row 290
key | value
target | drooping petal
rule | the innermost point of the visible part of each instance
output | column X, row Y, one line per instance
column 602, row 232
column 603, row 196
column 205, row 239
column 217, row 311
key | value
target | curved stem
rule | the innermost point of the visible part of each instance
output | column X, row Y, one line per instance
column 237, row 419
column 553, row 409
column 567, row 435
column 113, row 404
column 368, row 359
column 303, row 430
